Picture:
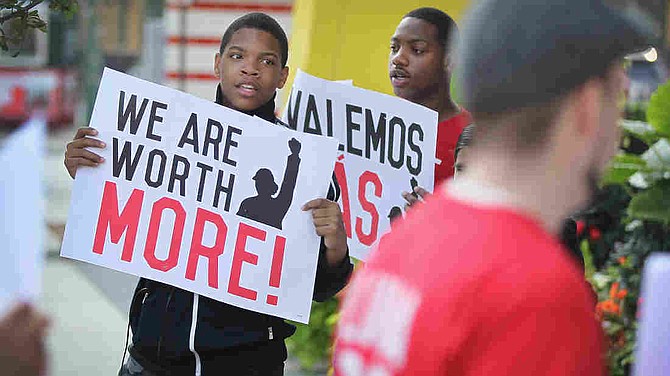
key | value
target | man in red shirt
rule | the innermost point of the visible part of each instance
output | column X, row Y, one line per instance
column 420, row 66
column 473, row 282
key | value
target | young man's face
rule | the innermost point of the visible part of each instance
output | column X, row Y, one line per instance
column 249, row 69
column 417, row 61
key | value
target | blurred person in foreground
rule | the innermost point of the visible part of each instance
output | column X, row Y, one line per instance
column 568, row 233
column 22, row 333
column 475, row 282
column 461, row 152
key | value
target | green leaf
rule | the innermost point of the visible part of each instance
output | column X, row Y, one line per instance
column 658, row 112
column 67, row 7
column 332, row 319
column 658, row 156
column 657, row 166
column 7, row 4
column 636, row 111
column 639, row 180
column 622, row 167
column 652, row 204
column 640, row 129
column 589, row 269
column 36, row 22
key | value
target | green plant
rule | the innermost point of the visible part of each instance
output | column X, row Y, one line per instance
column 22, row 17
column 643, row 172
column 312, row 344
column 647, row 176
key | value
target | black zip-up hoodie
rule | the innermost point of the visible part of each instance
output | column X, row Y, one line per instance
column 176, row 332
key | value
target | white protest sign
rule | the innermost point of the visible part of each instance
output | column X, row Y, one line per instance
column 387, row 146
column 651, row 355
column 22, row 219
column 201, row 197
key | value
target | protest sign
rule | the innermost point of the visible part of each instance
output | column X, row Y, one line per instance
column 386, row 144
column 201, row 197
column 22, row 219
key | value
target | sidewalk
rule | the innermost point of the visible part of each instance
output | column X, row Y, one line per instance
column 88, row 333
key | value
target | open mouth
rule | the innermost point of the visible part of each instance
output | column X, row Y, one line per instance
column 246, row 89
column 399, row 78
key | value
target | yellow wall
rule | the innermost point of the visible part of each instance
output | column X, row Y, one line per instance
column 349, row 39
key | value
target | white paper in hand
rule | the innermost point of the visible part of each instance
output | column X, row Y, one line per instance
column 21, row 221
column 653, row 352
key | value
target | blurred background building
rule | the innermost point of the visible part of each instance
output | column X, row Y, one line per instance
column 173, row 42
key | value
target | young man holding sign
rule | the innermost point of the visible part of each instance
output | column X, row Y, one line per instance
column 176, row 332
column 420, row 66
column 487, row 288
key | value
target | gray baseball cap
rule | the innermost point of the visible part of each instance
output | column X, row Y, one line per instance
column 520, row 53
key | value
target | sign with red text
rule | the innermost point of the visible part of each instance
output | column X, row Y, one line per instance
column 386, row 146
column 200, row 197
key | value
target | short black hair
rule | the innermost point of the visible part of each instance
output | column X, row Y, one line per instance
column 259, row 21
column 465, row 139
column 446, row 26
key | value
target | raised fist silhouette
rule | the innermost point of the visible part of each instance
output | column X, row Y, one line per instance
column 294, row 145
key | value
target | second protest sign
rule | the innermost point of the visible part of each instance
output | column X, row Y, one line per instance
column 386, row 146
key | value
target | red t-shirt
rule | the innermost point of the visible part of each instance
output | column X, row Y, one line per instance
column 462, row 290
column 448, row 132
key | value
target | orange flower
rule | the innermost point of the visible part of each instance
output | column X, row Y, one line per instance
column 614, row 289
column 607, row 306
column 622, row 294
column 600, row 311
column 622, row 260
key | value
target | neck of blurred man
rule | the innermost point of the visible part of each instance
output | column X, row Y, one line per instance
column 544, row 183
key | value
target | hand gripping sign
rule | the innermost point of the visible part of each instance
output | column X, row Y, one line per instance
column 201, row 197
column 386, row 146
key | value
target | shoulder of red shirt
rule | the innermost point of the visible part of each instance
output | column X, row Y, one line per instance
column 461, row 119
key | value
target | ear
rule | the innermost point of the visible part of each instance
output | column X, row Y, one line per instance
column 283, row 76
column 587, row 106
column 217, row 64
column 447, row 64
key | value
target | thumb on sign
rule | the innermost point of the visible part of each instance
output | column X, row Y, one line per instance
column 328, row 223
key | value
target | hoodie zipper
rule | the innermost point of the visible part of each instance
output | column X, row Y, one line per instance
column 191, row 340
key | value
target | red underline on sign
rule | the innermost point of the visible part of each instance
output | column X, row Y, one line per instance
column 191, row 76
column 203, row 41
column 222, row 6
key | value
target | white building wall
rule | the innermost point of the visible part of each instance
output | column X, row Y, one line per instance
column 206, row 21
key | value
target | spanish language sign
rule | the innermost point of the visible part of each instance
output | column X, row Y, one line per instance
column 386, row 146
